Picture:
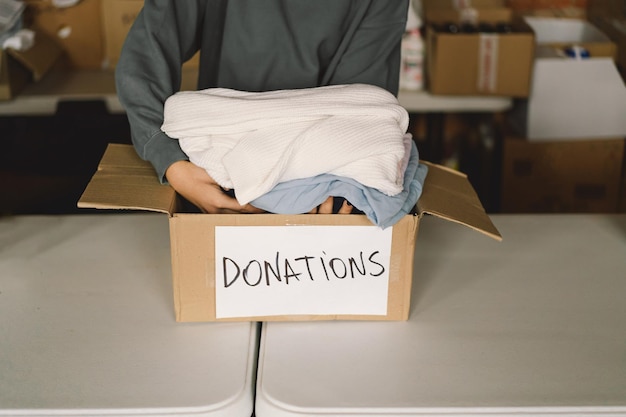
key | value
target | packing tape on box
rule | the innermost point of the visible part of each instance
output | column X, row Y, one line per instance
column 488, row 62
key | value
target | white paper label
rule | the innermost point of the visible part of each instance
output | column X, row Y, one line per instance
column 488, row 62
column 301, row 270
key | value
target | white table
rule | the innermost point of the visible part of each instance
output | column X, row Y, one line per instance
column 87, row 325
column 534, row 325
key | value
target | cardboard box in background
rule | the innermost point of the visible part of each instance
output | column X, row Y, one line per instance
column 571, row 98
column 612, row 8
column 492, row 64
column 433, row 6
column 117, row 18
column 77, row 29
column 550, row 8
column 18, row 68
column 610, row 17
column 123, row 181
column 13, row 76
column 579, row 176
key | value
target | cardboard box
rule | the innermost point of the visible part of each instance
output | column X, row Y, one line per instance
column 547, row 4
column 18, row 68
column 550, row 8
column 478, row 64
column 117, row 18
column 431, row 8
column 579, row 176
column 610, row 17
column 572, row 98
column 198, row 240
column 76, row 28
column 609, row 8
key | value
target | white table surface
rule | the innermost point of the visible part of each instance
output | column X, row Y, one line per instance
column 87, row 325
column 533, row 325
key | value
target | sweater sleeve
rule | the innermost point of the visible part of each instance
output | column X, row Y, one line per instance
column 164, row 35
column 372, row 53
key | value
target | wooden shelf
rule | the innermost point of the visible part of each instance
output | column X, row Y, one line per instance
column 424, row 102
column 42, row 98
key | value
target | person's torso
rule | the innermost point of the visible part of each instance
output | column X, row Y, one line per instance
column 272, row 44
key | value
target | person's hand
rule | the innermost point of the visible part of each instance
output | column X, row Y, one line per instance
column 327, row 207
column 197, row 186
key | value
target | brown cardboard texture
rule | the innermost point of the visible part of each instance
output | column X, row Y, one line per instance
column 18, row 68
column 479, row 64
column 431, row 8
column 124, row 181
column 77, row 29
column 615, row 9
column 577, row 176
column 551, row 8
column 459, row 4
column 615, row 28
column 13, row 76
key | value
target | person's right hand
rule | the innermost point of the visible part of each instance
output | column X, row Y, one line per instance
column 197, row 186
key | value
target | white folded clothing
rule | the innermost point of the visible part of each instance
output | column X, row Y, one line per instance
column 251, row 141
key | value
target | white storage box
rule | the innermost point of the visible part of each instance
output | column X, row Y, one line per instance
column 572, row 98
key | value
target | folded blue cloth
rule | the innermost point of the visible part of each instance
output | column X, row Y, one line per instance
column 303, row 195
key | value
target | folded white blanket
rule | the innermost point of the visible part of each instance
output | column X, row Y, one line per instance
column 250, row 141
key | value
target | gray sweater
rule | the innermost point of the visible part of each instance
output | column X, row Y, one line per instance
column 251, row 45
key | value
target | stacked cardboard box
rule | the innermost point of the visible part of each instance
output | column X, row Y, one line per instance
column 71, row 35
column 87, row 35
column 573, row 176
column 76, row 29
column 91, row 32
column 610, row 17
column 18, row 68
column 564, row 151
column 550, row 8
column 477, row 48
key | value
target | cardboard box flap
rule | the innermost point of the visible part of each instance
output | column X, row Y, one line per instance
column 125, row 181
column 563, row 30
column 559, row 33
column 449, row 195
column 40, row 57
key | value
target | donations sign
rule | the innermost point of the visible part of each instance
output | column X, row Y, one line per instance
column 301, row 270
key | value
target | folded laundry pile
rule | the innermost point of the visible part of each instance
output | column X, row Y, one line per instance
column 286, row 151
